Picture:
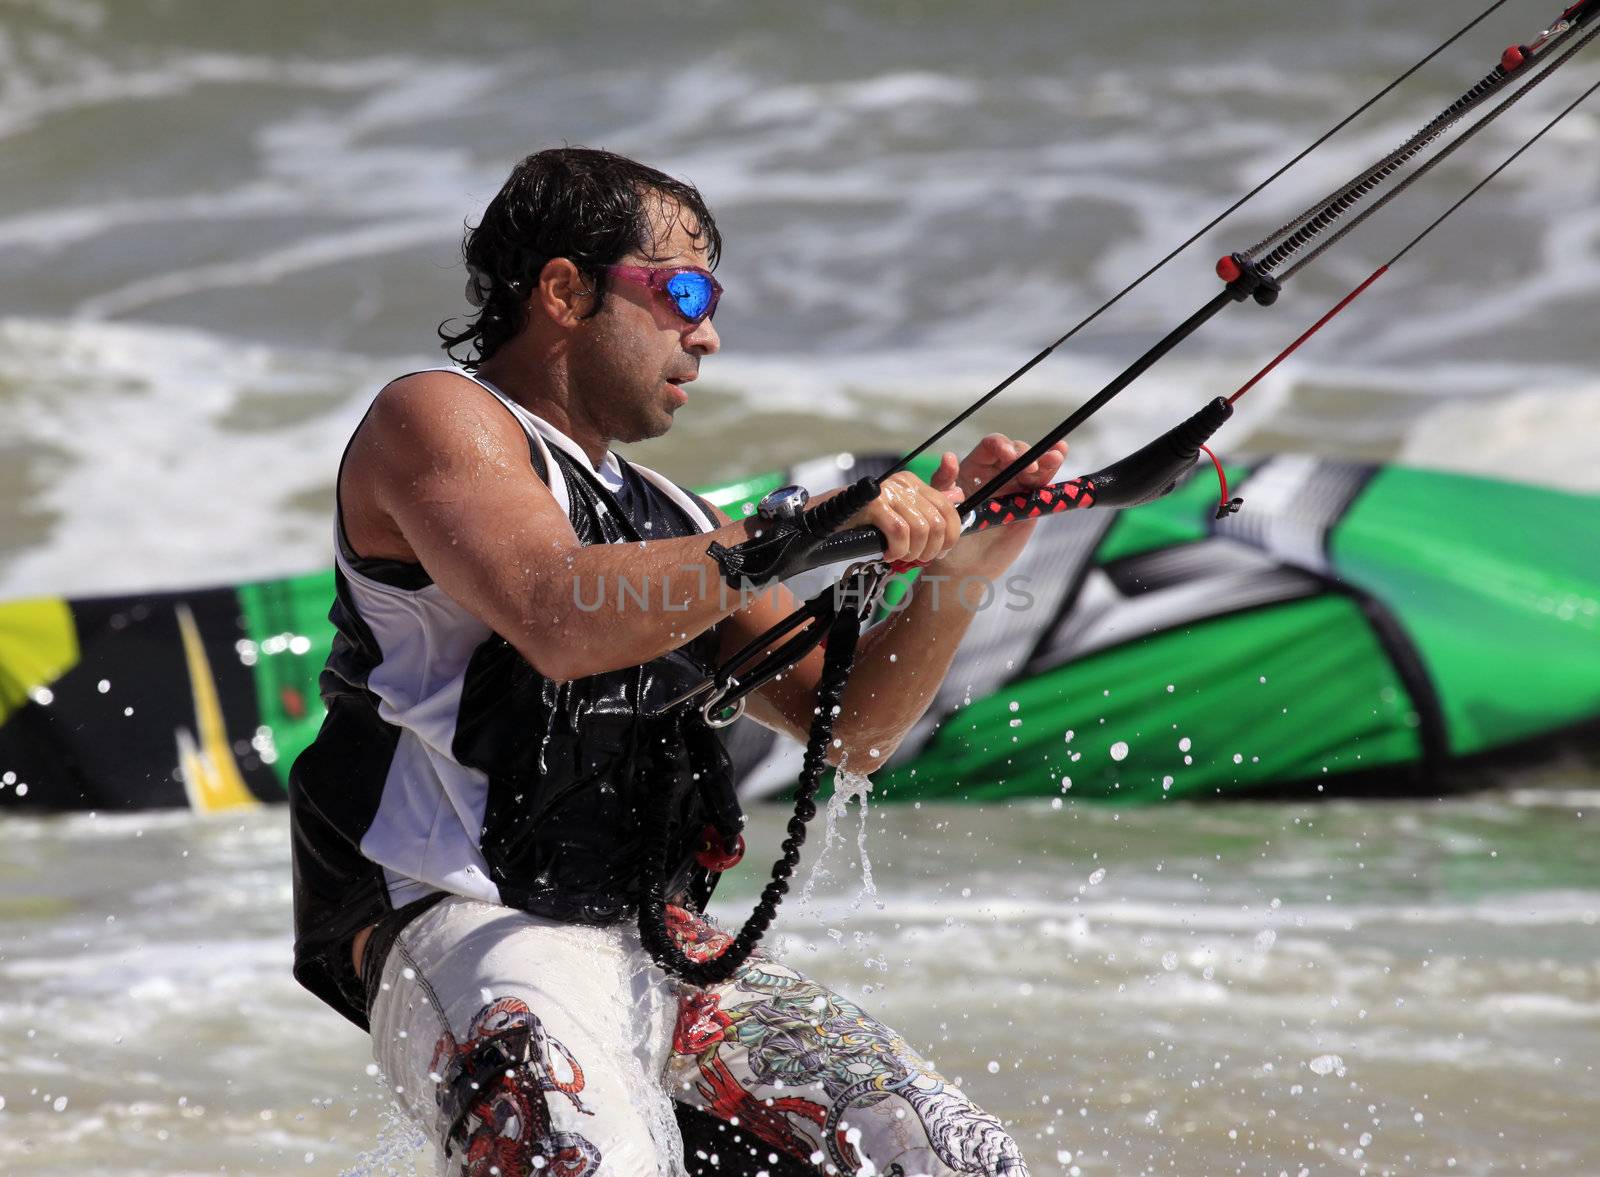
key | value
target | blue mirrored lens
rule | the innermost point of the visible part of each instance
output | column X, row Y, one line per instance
column 691, row 292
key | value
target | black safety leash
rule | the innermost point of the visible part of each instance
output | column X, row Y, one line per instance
column 794, row 538
column 847, row 614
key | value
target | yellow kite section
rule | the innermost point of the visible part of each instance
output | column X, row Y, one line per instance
column 38, row 644
column 211, row 776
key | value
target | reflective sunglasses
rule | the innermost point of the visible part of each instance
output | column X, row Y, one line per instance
column 693, row 292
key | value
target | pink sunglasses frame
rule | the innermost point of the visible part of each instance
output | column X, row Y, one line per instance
column 657, row 277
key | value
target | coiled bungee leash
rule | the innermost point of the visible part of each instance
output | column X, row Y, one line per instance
column 843, row 627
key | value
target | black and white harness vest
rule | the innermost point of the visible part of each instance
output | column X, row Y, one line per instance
column 448, row 765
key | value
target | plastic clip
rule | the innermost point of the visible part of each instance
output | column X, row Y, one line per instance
column 1245, row 280
column 714, row 853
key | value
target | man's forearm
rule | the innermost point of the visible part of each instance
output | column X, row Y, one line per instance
column 618, row 605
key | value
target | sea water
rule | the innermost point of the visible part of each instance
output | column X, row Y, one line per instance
column 224, row 225
column 1403, row 987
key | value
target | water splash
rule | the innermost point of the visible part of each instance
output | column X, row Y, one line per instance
column 848, row 786
column 855, row 785
column 396, row 1152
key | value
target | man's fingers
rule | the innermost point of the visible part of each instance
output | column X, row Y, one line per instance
column 918, row 520
column 1038, row 472
column 923, row 540
column 995, row 452
column 936, row 510
column 993, row 448
column 904, row 522
column 937, row 541
column 1048, row 465
column 896, row 534
column 920, row 531
column 944, row 522
column 952, row 524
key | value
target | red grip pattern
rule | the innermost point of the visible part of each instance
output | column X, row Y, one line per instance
column 1003, row 509
column 1047, row 500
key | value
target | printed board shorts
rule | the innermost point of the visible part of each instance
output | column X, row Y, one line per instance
column 523, row 1046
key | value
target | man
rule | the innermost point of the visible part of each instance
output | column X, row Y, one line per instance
column 469, row 823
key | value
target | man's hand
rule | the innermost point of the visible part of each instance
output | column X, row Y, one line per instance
column 918, row 522
column 991, row 552
column 900, row 663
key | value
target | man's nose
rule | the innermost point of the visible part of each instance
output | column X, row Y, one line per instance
column 702, row 339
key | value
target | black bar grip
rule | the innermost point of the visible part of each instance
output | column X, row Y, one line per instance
column 829, row 515
column 1147, row 474
column 859, row 543
column 790, row 547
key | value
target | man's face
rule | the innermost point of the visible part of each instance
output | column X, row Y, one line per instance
column 631, row 361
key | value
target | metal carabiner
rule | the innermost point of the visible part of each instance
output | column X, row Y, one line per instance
column 721, row 721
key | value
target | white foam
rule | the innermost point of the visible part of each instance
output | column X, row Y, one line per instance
column 1545, row 437
column 157, row 490
column 27, row 100
column 263, row 269
column 804, row 102
column 1306, row 924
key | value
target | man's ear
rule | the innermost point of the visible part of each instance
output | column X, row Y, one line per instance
column 562, row 293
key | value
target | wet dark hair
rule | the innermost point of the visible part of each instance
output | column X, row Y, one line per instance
column 589, row 206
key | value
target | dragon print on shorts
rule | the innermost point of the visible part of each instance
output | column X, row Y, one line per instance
column 774, row 1029
column 493, row 1096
